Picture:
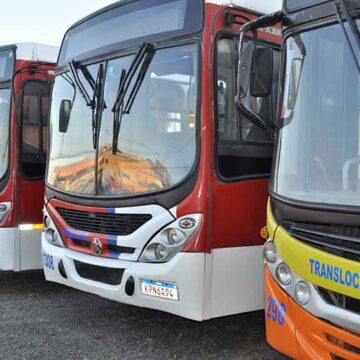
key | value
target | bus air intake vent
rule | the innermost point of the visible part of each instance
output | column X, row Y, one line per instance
column 103, row 223
column 100, row 274
column 339, row 240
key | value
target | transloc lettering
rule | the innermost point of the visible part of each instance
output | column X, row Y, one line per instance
column 335, row 274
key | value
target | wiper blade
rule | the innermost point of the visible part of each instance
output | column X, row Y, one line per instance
column 74, row 70
column 142, row 58
column 342, row 7
column 98, row 105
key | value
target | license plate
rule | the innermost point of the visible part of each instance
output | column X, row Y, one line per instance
column 160, row 289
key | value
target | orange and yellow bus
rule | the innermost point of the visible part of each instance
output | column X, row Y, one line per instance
column 312, row 268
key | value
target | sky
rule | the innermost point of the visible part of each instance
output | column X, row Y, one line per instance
column 42, row 21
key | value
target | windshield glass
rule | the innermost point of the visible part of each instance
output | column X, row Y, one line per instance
column 6, row 64
column 156, row 146
column 127, row 24
column 318, row 150
column 5, row 96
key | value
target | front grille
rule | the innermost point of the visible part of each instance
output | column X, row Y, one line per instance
column 340, row 300
column 101, row 274
column 342, row 344
column 103, row 223
column 114, row 251
column 343, row 241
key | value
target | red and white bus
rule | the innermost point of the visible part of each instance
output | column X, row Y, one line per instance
column 156, row 183
column 26, row 71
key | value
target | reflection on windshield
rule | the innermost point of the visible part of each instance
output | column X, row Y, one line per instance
column 72, row 154
column 157, row 140
column 318, row 153
column 4, row 130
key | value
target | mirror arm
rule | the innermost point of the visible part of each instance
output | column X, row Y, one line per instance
column 263, row 21
column 250, row 115
column 253, row 26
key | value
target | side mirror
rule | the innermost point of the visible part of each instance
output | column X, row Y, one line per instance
column 64, row 116
column 244, row 67
column 262, row 72
column 248, row 52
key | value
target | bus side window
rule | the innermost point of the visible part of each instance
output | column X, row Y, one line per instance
column 34, row 128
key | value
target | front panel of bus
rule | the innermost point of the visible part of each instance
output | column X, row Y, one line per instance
column 131, row 171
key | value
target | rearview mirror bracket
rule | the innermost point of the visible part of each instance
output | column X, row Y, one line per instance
column 247, row 82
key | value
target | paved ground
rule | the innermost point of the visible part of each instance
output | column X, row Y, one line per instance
column 41, row 320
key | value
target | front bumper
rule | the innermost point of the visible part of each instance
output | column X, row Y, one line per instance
column 185, row 269
column 302, row 335
column 19, row 250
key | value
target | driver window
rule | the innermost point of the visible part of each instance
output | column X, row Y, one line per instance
column 243, row 148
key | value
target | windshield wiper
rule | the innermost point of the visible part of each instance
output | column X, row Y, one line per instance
column 142, row 58
column 98, row 105
column 94, row 103
column 74, row 70
column 342, row 8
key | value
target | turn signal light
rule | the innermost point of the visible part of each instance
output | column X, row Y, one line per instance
column 264, row 233
column 27, row 227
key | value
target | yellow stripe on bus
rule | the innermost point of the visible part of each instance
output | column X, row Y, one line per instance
column 318, row 267
column 271, row 223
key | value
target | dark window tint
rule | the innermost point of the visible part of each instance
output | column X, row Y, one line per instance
column 243, row 149
column 35, row 109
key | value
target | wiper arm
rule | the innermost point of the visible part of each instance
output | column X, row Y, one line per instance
column 94, row 103
column 88, row 76
column 98, row 105
column 342, row 7
column 74, row 70
column 142, row 58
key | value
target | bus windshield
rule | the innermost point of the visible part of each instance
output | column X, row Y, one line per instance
column 318, row 149
column 156, row 143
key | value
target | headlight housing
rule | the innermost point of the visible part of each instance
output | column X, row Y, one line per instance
column 50, row 231
column 4, row 209
column 283, row 274
column 171, row 240
column 302, row 292
column 270, row 252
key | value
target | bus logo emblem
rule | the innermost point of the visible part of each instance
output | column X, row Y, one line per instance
column 96, row 246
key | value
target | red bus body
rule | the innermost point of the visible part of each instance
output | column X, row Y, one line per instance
column 21, row 197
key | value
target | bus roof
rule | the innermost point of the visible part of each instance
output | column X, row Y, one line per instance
column 35, row 52
column 261, row 6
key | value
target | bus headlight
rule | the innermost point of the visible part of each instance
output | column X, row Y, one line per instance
column 171, row 240
column 51, row 233
column 174, row 236
column 47, row 221
column 4, row 209
column 302, row 292
column 270, row 253
column 51, row 236
column 283, row 274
